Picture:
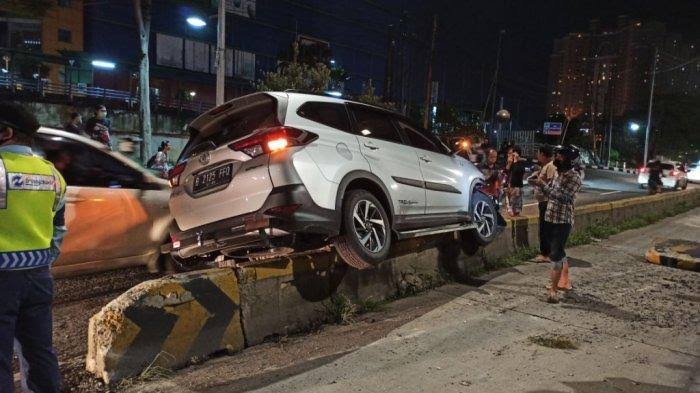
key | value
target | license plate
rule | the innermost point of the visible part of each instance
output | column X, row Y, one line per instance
column 213, row 178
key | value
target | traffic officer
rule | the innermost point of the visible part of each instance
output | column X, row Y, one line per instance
column 32, row 197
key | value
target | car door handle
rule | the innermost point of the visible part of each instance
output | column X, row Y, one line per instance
column 424, row 158
column 370, row 146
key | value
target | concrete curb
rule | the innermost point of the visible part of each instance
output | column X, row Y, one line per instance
column 169, row 321
column 681, row 254
column 613, row 169
column 165, row 323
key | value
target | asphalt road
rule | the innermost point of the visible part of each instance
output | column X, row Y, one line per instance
column 598, row 186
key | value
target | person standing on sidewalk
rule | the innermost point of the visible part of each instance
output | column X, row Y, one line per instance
column 546, row 174
column 516, row 172
column 559, row 216
column 32, row 198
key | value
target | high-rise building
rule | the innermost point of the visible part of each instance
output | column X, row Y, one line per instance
column 608, row 70
column 39, row 45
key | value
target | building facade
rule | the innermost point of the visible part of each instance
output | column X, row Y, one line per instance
column 41, row 43
column 608, row 70
column 352, row 36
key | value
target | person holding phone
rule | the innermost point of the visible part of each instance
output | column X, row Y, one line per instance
column 516, row 172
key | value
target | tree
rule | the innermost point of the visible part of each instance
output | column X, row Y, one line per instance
column 142, row 12
column 675, row 121
column 368, row 97
column 296, row 75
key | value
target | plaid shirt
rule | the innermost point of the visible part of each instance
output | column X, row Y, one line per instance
column 562, row 194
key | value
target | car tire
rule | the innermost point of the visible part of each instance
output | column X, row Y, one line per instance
column 365, row 237
column 685, row 185
column 486, row 218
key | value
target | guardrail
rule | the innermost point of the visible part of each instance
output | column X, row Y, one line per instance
column 71, row 91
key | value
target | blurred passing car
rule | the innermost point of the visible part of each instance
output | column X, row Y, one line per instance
column 673, row 176
column 694, row 173
column 116, row 212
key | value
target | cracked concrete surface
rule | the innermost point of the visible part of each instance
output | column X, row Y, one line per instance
column 636, row 326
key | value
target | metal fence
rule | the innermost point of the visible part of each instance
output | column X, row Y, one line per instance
column 71, row 91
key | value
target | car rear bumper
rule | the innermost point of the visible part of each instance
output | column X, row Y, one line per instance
column 301, row 215
column 666, row 182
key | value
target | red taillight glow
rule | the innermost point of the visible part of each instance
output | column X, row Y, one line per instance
column 643, row 170
column 673, row 173
column 174, row 174
column 277, row 144
column 270, row 140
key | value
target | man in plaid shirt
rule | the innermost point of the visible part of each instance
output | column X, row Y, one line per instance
column 559, row 216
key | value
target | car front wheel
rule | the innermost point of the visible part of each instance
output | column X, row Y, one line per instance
column 366, row 235
column 485, row 218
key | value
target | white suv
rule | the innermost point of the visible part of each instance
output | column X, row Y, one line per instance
column 277, row 173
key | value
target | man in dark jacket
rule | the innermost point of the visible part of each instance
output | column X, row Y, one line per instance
column 97, row 127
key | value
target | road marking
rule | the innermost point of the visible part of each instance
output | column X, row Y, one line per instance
column 611, row 192
column 531, row 204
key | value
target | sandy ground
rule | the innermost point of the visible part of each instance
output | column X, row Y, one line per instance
column 635, row 328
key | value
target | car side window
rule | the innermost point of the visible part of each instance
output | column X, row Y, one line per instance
column 327, row 113
column 416, row 138
column 85, row 166
column 373, row 123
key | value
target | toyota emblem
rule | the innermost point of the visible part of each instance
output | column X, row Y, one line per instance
column 204, row 158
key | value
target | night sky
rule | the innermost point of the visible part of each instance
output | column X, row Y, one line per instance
column 468, row 34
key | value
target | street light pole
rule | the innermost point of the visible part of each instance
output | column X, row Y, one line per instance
column 651, row 101
column 221, row 54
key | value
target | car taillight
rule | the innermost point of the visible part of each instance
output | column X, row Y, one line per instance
column 643, row 170
column 270, row 140
column 174, row 174
column 673, row 173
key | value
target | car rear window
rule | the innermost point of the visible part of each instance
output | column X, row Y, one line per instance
column 240, row 118
column 327, row 113
column 667, row 167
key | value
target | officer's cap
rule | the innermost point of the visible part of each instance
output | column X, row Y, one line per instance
column 19, row 119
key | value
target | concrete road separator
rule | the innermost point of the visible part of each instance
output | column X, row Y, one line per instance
column 681, row 254
column 166, row 323
column 170, row 321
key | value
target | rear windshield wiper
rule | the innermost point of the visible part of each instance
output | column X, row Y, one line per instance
column 201, row 148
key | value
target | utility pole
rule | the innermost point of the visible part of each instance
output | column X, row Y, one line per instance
column 495, row 77
column 388, row 80
column 221, row 54
column 610, row 110
column 429, row 82
column 651, row 101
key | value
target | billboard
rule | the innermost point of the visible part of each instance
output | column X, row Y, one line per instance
column 552, row 128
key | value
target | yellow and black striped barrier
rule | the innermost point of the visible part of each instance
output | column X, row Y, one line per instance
column 681, row 254
column 166, row 323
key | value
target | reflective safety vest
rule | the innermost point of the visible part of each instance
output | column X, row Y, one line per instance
column 31, row 192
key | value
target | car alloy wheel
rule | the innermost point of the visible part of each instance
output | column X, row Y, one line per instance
column 369, row 225
column 484, row 218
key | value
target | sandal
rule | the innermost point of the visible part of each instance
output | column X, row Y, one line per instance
column 541, row 259
column 565, row 289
